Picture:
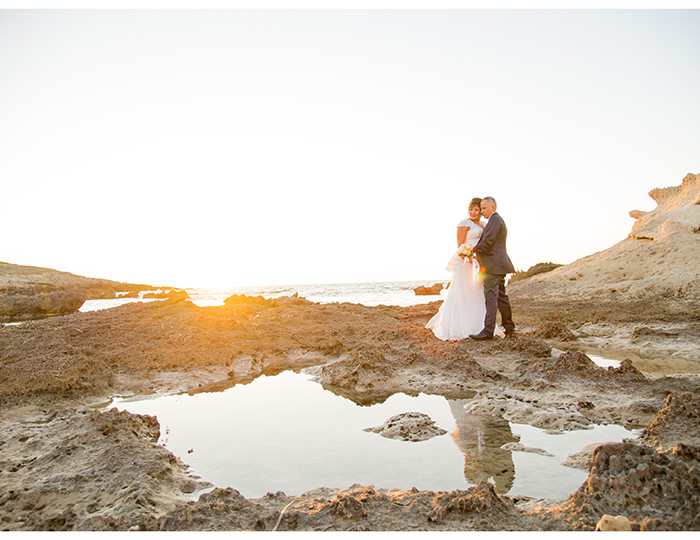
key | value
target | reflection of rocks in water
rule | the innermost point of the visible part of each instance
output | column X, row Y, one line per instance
column 480, row 439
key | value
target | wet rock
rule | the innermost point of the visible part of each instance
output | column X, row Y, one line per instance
column 422, row 290
column 679, row 420
column 409, row 426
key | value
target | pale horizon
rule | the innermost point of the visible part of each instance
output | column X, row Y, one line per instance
column 232, row 148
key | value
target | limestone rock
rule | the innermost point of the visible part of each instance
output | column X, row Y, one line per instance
column 409, row 426
column 658, row 258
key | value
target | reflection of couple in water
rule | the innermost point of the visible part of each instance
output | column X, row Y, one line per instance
column 469, row 310
column 480, row 439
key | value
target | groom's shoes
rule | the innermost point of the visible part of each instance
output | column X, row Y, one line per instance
column 481, row 335
column 510, row 332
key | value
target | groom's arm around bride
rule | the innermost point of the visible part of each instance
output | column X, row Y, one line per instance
column 491, row 248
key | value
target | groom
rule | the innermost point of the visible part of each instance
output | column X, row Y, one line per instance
column 491, row 248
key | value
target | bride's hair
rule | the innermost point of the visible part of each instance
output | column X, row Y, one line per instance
column 476, row 201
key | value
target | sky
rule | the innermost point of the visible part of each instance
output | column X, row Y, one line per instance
column 224, row 148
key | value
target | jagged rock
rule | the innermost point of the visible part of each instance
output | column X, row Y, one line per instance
column 678, row 420
column 409, row 426
column 639, row 482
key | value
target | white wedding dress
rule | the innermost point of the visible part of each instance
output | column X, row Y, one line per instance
column 462, row 313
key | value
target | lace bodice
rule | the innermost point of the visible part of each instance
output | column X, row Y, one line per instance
column 474, row 233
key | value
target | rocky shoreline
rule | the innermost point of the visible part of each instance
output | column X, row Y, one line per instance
column 67, row 464
column 31, row 292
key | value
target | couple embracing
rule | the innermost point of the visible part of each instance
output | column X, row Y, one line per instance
column 477, row 289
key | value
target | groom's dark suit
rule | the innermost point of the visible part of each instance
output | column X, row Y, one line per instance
column 491, row 248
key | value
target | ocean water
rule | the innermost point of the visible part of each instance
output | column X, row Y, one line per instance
column 390, row 293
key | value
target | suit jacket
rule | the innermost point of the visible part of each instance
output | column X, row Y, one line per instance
column 491, row 247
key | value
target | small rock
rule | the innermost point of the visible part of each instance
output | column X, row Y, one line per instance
column 613, row 523
column 421, row 290
column 409, row 426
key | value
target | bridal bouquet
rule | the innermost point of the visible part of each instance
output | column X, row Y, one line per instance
column 465, row 250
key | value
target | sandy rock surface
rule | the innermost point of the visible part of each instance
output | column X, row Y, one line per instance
column 409, row 426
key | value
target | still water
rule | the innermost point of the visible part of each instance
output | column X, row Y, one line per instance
column 287, row 433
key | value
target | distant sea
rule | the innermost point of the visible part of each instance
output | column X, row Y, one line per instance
column 390, row 293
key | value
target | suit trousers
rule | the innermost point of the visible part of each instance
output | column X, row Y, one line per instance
column 497, row 300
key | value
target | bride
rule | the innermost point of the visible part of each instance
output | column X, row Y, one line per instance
column 462, row 313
